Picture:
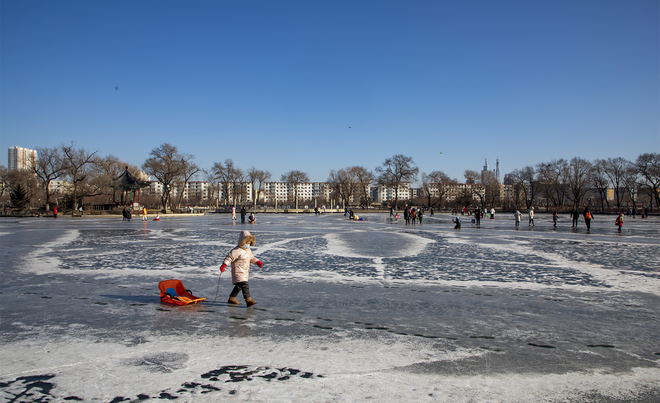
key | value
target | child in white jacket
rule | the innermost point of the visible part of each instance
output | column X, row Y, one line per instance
column 240, row 259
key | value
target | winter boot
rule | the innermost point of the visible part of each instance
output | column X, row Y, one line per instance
column 250, row 302
column 232, row 301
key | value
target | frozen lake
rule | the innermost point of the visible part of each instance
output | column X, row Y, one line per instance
column 347, row 311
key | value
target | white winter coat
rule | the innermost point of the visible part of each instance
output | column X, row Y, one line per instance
column 240, row 258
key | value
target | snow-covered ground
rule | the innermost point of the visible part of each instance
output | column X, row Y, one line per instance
column 347, row 311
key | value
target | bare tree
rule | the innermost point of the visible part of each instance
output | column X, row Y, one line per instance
column 395, row 171
column 615, row 169
column 364, row 179
column 344, row 184
column 228, row 175
column 491, row 188
column 257, row 178
column 188, row 170
column 471, row 176
column 577, row 180
column 550, row 178
column 49, row 167
column 600, row 182
column 648, row 166
column 436, row 184
column 79, row 165
column 631, row 183
column 525, row 182
column 294, row 179
column 164, row 165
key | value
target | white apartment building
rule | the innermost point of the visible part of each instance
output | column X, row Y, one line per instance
column 59, row 187
column 380, row 194
column 454, row 191
column 201, row 190
column 282, row 192
column 21, row 158
column 242, row 193
column 195, row 190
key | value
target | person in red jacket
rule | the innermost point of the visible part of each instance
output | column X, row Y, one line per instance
column 619, row 221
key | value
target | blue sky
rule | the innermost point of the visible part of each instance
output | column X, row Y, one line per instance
column 315, row 86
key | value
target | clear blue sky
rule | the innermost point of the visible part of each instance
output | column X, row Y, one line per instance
column 277, row 84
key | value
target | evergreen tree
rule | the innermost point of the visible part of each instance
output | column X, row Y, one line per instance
column 19, row 197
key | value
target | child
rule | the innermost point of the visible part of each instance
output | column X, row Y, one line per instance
column 554, row 219
column 240, row 258
column 619, row 221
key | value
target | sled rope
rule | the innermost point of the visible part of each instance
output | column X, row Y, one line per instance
column 217, row 288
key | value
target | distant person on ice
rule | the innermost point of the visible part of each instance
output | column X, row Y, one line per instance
column 240, row 259
column 619, row 221
column 531, row 217
column 518, row 216
column 587, row 218
column 458, row 222
column 576, row 217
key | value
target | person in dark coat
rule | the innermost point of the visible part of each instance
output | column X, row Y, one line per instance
column 576, row 217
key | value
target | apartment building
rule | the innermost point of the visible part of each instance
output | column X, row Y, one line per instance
column 380, row 194
column 21, row 158
column 283, row 191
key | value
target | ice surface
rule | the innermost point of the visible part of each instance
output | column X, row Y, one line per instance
column 347, row 311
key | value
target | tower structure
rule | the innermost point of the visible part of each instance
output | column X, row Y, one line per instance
column 21, row 158
column 497, row 170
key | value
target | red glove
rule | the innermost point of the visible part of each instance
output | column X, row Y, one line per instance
column 222, row 268
column 258, row 263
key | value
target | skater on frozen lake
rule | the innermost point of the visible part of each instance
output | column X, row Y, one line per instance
column 458, row 222
column 240, row 259
column 531, row 217
column 518, row 217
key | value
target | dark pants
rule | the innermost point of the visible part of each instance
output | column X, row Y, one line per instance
column 242, row 286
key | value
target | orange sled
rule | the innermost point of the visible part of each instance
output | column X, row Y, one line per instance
column 173, row 292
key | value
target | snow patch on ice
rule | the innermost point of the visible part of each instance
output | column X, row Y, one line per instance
column 192, row 368
column 43, row 260
column 617, row 280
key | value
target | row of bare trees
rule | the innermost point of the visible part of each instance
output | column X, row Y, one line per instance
column 558, row 183
column 577, row 182
column 87, row 174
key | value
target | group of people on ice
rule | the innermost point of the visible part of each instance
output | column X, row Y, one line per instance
column 575, row 215
column 411, row 215
column 251, row 219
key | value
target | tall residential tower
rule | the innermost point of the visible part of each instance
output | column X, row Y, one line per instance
column 21, row 158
